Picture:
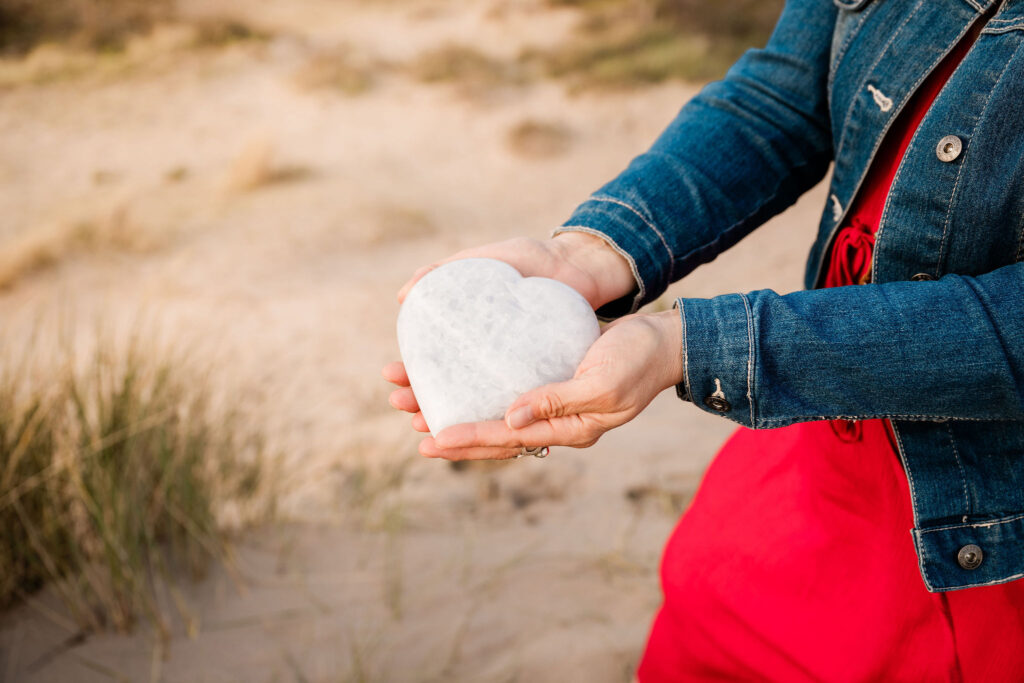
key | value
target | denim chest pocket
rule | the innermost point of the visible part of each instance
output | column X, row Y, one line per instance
column 848, row 21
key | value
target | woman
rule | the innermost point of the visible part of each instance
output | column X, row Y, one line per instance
column 887, row 397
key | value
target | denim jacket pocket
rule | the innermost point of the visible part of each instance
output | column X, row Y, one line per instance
column 848, row 21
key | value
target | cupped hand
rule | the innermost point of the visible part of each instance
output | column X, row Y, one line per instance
column 402, row 398
column 585, row 262
column 632, row 361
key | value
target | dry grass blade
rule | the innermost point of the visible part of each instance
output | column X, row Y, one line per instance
column 110, row 484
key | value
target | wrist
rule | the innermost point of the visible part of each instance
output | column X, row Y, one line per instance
column 611, row 271
column 670, row 326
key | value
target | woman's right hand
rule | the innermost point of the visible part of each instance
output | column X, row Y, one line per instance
column 585, row 262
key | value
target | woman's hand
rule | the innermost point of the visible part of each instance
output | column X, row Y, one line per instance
column 585, row 262
column 632, row 361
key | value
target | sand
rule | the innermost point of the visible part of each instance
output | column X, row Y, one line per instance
column 266, row 226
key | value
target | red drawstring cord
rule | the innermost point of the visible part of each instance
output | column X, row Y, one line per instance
column 851, row 256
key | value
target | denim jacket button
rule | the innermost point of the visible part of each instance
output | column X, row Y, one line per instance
column 718, row 403
column 949, row 148
column 970, row 556
column 921, row 277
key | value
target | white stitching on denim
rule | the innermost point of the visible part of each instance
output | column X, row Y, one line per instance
column 910, row 476
column 899, row 169
column 993, row 582
column 976, row 5
column 921, row 551
column 619, row 250
column 960, row 466
column 1004, row 25
column 686, row 353
column 976, row 525
column 750, row 356
column 649, row 224
column 718, row 393
column 871, row 157
column 874, row 65
column 872, row 416
column 949, row 212
column 885, row 205
column 841, row 52
column 883, row 101
column 837, row 208
column 686, row 379
column 963, row 162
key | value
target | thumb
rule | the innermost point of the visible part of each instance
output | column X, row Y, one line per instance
column 552, row 400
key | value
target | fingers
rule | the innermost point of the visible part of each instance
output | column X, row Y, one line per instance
column 404, row 399
column 420, row 424
column 404, row 291
column 520, row 253
column 562, row 399
column 562, row 414
column 395, row 373
column 429, row 448
column 572, row 430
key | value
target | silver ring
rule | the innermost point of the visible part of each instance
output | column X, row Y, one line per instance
column 538, row 452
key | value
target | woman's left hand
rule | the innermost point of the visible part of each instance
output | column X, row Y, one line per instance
column 633, row 360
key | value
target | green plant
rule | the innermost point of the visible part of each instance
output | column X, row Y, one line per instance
column 111, row 477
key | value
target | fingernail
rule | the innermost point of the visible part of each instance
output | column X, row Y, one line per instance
column 520, row 417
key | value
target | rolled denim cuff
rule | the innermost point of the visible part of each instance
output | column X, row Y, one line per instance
column 718, row 356
column 635, row 237
column 999, row 555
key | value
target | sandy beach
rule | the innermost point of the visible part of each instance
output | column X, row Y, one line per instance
column 242, row 208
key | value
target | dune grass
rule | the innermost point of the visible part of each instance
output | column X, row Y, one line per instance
column 624, row 43
column 105, row 232
column 103, row 25
column 112, row 473
column 43, row 42
column 618, row 44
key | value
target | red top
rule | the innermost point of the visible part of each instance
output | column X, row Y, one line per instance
column 850, row 262
column 794, row 561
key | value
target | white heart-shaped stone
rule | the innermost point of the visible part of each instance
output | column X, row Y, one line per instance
column 475, row 334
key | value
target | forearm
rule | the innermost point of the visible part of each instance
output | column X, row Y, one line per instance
column 613, row 277
column 741, row 151
column 947, row 349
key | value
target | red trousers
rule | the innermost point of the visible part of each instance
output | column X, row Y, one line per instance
column 795, row 563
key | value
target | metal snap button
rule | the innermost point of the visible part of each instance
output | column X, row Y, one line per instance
column 921, row 277
column 970, row 556
column 718, row 403
column 949, row 148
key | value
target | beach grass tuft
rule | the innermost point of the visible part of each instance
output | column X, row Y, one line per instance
column 113, row 470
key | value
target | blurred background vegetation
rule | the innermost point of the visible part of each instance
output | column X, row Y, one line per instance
column 95, row 24
column 618, row 43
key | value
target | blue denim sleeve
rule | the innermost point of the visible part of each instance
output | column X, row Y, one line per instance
column 741, row 151
column 946, row 349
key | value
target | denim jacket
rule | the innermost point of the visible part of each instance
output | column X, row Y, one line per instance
column 935, row 342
